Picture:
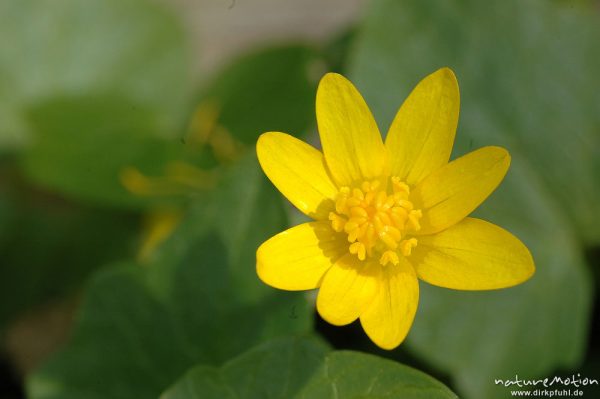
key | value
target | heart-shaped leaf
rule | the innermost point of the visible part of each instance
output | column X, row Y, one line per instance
column 303, row 368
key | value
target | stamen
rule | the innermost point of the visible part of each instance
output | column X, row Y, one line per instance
column 406, row 246
column 389, row 256
column 414, row 217
column 337, row 222
column 400, row 187
column 358, row 211
column 377, row 221
column 388, row 240
column 358, row 248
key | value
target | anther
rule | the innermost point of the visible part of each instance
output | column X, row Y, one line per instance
column 406, row 246
column 414, row 217
column 389, row 257
column 337, row 222
column 358, row 249
column 376, row 220
column 358, row 194
column 388, row 240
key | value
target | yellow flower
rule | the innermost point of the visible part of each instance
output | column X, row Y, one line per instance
column 386, row 214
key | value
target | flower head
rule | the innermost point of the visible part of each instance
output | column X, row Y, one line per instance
column 386, row 214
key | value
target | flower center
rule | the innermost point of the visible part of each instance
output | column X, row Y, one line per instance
column 377, row 220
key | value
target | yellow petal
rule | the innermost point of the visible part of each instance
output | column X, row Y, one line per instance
column 421, row 136
column 452, row 192
column 388, row 318
column 347, row 289
column 351, row 140
column 298, row 171
column 472, row 255
column 297, row 258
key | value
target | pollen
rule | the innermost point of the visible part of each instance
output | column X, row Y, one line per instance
column 378, row 220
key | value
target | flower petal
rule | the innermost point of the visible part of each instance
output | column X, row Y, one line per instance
column 452, row 192
column 298, row 171
column 297, row 258
column 421, row 136
column 351, row 140
column 472, row 255
column 347, row 289
column 388, row 318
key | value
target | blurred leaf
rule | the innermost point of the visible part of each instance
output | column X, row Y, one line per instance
column 140, row 328
column 304, row 368
column 7, row 216
column 249, row 210
column 526, row 74
column 56, row 47
column 270, row 90
column 530, row 330
column 49, row 247
column 338, row 50
column 198, row 301
column 244, row 210
column 82, row 145
column 528, row 78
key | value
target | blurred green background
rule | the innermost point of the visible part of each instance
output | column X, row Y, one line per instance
column 131, row 201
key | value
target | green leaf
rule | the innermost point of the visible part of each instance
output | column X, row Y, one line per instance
column 82, row 144
column 64, row 47
column 526, row 75
column 528, row 78
column 337, row 51
column 530, row 330
column 140, row 328
column 244, row 210
column 270, row 90
column 250, row 211
column 197, row 301
column 49, row 247
column 295, row 368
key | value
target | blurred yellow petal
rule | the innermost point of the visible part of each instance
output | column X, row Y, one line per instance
column 451, row 193
column 347, row 289
column 472, row 255
column 297, row 258
column 158, row 226
column 390, row 315
column 298, row 171
column 421, row 136
column 350, row 137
